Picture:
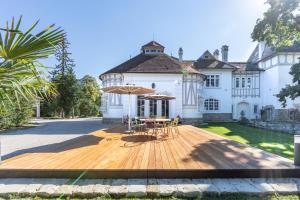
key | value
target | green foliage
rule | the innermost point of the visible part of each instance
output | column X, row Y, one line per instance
column 89, row 101
column 65, row 81
column 21, row 77
column 20, row 69
column 291, row 91
column 275, row 142
column 280, row 25
column 86, row 103
column 15, row 114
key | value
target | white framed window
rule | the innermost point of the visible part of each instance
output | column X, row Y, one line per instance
column 211, row 104
column 237, row 82
column 153, row 108
column 243, row 82
column 248, row 82
column 140, row 106
column 255, row 109
column 212, row 81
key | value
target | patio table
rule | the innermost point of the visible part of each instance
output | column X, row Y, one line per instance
column 153, row 121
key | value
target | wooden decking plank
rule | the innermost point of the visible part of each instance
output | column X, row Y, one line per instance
column 109, row 150
column 220, row 162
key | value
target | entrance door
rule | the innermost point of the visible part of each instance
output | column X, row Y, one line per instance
column 245, row 107
column 165, row 108
column 153, row 108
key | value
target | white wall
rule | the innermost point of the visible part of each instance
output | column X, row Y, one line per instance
column 275, row 77
column 222, row 93
column 251, row 101
column 164, row 83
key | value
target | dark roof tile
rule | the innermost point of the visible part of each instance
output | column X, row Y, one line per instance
column 152, row 63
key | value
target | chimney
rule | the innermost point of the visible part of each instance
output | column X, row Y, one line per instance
column 216, row 54
column 224, row 51
column 180, row 54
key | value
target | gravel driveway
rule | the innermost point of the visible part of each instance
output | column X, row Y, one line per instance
column 19, row 141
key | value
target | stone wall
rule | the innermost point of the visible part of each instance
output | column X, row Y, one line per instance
column 268, row 113
column 192, row 121
column 287, row 127
column 217, row 117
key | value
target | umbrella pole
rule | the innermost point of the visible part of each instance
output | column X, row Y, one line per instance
column 129, row 117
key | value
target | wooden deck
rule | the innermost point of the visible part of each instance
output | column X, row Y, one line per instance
column 109, row 153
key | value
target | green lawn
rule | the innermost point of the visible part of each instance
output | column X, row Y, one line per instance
column 274, row 142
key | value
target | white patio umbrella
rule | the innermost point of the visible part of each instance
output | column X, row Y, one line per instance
column 128, row 89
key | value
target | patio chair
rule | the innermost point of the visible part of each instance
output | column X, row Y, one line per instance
column 138, row 125
column 158, row 128
column 125, row 120
column 174, row 126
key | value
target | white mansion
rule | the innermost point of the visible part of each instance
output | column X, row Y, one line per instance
column 210, row 88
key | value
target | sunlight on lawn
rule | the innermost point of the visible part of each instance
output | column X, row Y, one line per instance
column 221, row 130
column 274, row 142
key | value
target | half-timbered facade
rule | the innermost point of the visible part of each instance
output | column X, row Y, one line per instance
column 209, row 88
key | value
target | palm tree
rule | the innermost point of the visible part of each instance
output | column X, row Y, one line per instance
column 21, row 73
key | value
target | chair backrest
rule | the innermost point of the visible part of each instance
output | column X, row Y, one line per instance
column 125, row 119
column 175, row 121
column 137, row 121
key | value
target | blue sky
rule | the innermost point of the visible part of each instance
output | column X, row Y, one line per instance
column 105, row 33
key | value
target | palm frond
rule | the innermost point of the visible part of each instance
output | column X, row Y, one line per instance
column 19, row 60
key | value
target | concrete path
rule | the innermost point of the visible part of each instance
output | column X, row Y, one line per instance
column 184, row 188
column 47, row 132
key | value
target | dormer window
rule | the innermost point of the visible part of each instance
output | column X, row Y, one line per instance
column 153, row 48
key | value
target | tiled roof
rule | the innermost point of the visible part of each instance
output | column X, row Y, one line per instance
column 153, row 44
column 152, row 63
column 246, row 66
column 268, row 52
column 208, row 61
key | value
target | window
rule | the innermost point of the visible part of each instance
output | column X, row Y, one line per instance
column 153, row 50
column 243, row 82
column 292, row 115
column 147, row 50
column 207, row 81
column 237, row 82
column 255, row 109
column 249, row 83
column 153, row 108
column 153, row 85
column 212, row 81
column 140, row 106
column 211, row 104
column 165, row 108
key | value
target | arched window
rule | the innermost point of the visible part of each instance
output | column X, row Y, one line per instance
column 211, row 104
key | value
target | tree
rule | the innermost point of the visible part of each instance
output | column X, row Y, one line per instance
column 89, row 102
column 65, row 81
column 21, row 71
column 280, row 28
column 280, row 25
column 291, row 91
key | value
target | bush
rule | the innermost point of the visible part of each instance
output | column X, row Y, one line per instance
column 14, row 115
column 88, row 108
column 243, row 119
